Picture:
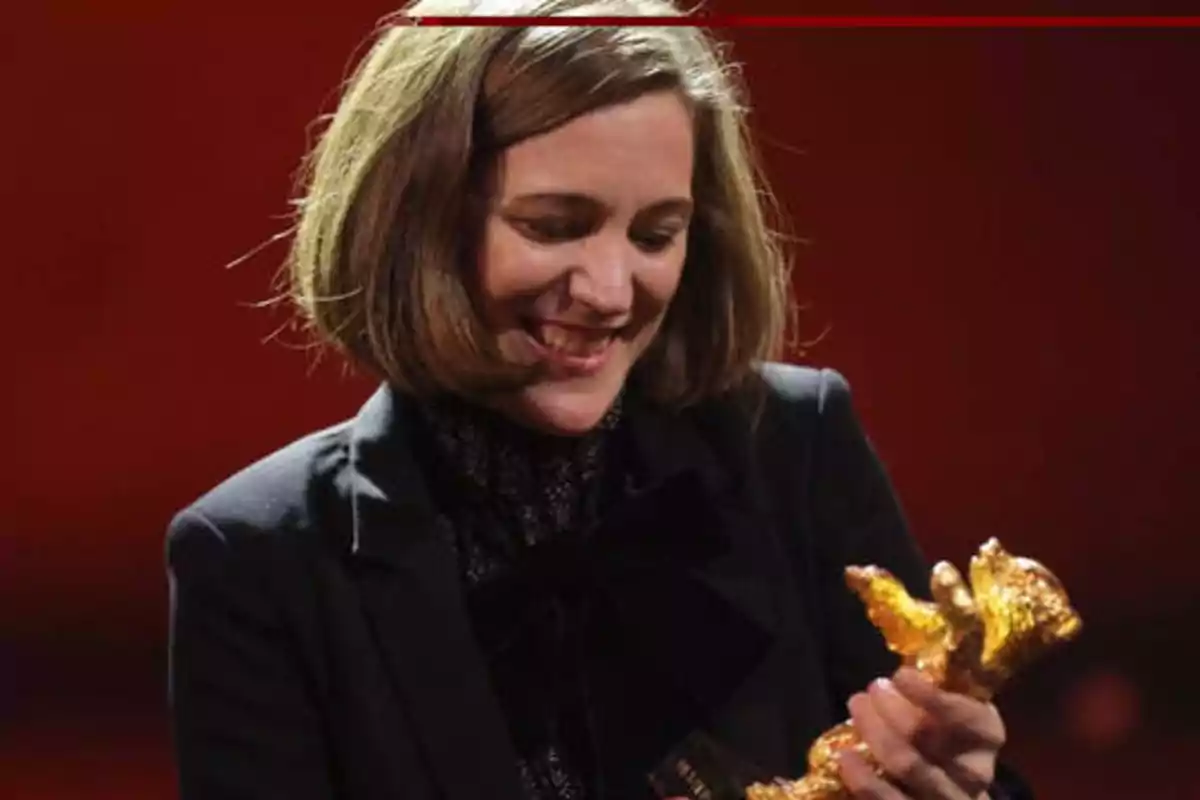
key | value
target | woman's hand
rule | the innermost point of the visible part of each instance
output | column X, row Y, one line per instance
column 931, row 744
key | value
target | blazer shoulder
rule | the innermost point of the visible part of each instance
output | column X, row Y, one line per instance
column 797, row 390
column 272, row 496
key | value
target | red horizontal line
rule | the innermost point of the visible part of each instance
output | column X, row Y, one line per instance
column 735, row 21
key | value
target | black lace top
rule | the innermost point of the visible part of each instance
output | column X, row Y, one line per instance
column 507, row 495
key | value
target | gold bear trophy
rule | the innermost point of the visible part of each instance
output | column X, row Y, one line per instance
column 968, row 640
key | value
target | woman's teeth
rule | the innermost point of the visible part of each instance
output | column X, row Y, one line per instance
column 576, row 342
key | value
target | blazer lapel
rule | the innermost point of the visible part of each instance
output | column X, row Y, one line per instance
column 717, row 634
column 411, row 595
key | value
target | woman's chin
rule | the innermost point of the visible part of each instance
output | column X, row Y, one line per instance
column 562, row 410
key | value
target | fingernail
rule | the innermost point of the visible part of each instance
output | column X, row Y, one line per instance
column 913, row 674
column 884, row 685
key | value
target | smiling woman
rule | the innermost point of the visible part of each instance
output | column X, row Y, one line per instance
column 583, row 254
column 589, row 143
column 585, row 524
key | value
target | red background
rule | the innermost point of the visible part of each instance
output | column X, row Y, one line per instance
column 1000, row 249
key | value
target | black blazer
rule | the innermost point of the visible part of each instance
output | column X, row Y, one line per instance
column 320, row 645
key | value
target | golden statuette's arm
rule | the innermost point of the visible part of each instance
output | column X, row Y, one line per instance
column 970, row 639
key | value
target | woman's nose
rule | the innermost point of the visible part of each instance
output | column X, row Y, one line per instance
column 603, row 280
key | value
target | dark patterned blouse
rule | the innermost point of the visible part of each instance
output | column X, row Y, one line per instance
column 508, row 496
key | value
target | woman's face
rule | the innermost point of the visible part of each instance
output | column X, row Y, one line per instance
column 583, row 250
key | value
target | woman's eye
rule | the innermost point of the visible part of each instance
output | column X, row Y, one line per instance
column 655, row 241
column 552, row 229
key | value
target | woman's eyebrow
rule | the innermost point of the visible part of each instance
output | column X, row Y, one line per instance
column 681, row 206
column 577, row 202
column 559, row 201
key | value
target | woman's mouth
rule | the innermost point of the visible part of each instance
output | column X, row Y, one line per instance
column 574, row 349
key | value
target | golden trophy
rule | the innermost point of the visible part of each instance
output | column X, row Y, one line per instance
column 970, row 639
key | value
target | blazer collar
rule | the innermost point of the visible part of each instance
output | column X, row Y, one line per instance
column 383, row 468
column 383, row 473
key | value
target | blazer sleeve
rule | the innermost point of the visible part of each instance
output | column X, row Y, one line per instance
column 858, row 520
column 244, row 725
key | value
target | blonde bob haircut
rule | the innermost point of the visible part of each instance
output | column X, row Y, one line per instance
column 395, row 193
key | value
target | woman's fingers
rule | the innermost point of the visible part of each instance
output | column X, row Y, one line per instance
column 862, row 782
column 910, row 721
column 972, row 722
column 898, row 756
column 970, row 768
column 959, row 733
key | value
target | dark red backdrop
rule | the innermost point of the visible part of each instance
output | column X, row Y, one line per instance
column 1000, row 236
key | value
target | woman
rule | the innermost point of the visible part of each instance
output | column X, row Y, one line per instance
column 577, row 527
